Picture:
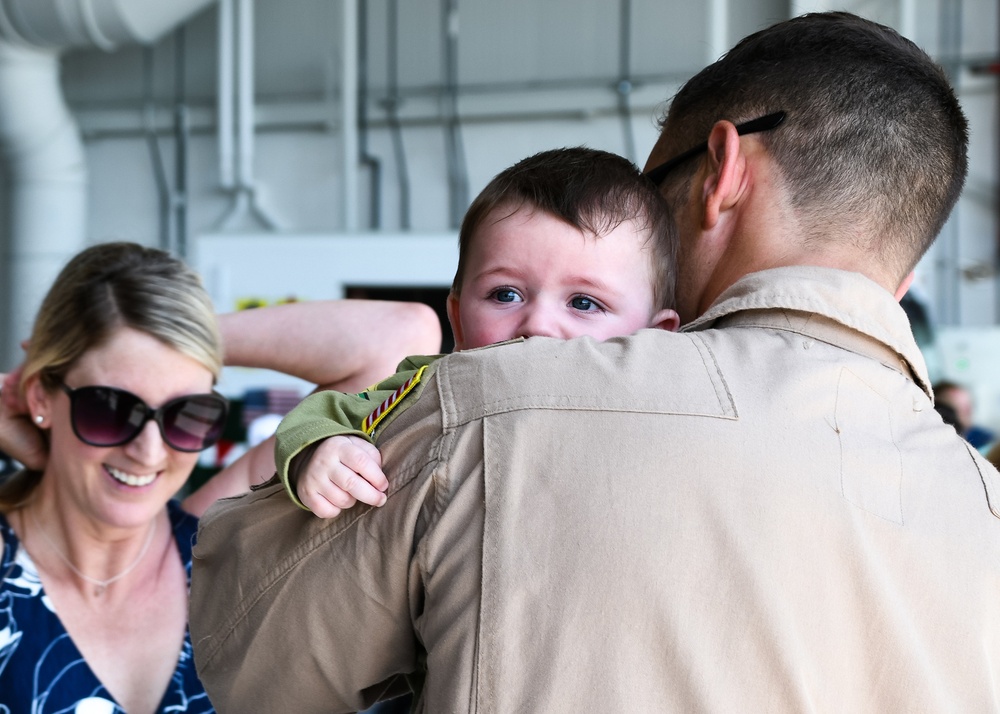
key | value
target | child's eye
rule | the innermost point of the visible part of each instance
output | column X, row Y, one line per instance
column 505, row 295
column 585, row 304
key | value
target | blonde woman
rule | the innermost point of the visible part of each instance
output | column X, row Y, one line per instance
column 108, row 412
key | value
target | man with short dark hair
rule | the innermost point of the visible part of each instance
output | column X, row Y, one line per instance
column 865, row 148
column 760, row 513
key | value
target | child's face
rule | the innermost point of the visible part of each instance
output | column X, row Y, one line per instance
column 530, row 273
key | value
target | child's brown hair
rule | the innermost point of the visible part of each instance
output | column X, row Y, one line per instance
column 594, row 191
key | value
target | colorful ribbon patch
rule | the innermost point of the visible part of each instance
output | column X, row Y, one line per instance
column 373, row 419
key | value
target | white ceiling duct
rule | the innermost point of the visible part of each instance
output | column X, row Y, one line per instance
column 46, row 179
column 92, row 23
column 39, row 141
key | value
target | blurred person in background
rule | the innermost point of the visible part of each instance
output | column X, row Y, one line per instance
column 956, row 399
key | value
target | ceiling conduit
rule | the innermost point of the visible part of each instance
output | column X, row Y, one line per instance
column 40, row 144
column 392, row 102
column 236, row 99
column 624, row 86
column 454, row 149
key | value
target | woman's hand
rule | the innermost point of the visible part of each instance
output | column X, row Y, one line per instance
column 19, row 438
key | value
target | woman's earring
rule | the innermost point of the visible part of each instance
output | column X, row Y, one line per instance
column 39, row 419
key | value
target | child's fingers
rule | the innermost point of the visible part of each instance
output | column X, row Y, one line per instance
column 324, row 495
column 366, row 461
column 319, row 505
column 355, row 482
column 343, row 471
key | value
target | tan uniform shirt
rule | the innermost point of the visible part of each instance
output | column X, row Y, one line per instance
column 761, row 514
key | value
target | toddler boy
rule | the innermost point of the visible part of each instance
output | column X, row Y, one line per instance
column 566, row 243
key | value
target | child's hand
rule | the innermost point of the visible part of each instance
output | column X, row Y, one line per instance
column 343, row 471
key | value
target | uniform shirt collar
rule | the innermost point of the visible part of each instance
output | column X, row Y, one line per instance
column 847, row 298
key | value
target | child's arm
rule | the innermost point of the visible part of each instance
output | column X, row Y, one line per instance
column 344, row 344
column 306, row 456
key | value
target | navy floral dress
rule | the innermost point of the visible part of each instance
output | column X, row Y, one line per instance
column 42, row 672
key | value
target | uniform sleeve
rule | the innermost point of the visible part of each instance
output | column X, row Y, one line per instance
column 330, row 413
column 290, row 612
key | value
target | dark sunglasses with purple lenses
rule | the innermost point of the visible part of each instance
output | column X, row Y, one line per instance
column 107, row 416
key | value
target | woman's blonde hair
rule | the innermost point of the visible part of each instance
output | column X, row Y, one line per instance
column 102, row 289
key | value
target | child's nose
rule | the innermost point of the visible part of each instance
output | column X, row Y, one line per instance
column 539, row 322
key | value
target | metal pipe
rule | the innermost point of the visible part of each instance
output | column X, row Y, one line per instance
column 718, row 29
column 908, row 18
column 446, row 118
column 153, row 144
column 243, row 191
column 279, row 111
column 349, row 113
column 392, row 113
column 314, row 118
column 364, row 155
column 224, row 99
column 454, row 148
column 181, row 134
column 536, row 85
column 950, row 296
column 624, row 86
column 245, row 92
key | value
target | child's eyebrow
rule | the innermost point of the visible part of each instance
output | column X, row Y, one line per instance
column 499, row 270
column 593, row 283
column 594, row 286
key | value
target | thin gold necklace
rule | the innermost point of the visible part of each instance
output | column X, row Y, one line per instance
column 99, row 585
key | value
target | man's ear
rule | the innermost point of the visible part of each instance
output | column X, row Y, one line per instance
column 904, row 286
column 455, row 318
column 721, row 187
column 665, row 320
